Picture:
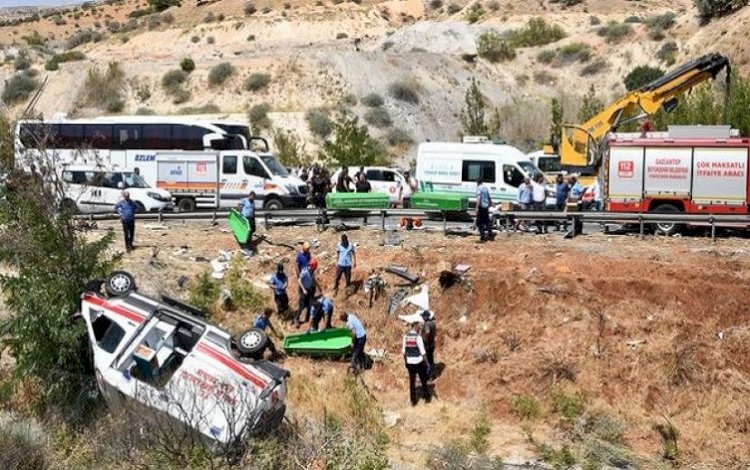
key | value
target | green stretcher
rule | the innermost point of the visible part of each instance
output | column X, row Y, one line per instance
column 331, row 342
column 354, row 201
column 240, row 227
column 444, row 202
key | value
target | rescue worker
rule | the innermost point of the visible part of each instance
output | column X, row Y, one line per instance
column 247, row 207
column 347, row 260
column 343, row 181
column 322, row 307
column 524, row 200
column 539, row 196
column 483, row 211
column 127, row 208
column 362, row 185
column 429, row 333
column 406, row 189
column 415, row 360
column 359, row 339
column 263, row 322
column 307, row 284
column 279, row 282
column 561, row 196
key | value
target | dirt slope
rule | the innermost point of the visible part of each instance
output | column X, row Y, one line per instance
column 644, row 331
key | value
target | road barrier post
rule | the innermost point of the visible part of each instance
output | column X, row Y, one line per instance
column 642, row 230
column 382, row 220
column 445, row 223
column 266, row 221
column 507, row 224
column 713, row 228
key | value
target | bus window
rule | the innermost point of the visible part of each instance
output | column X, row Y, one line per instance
column 127, row 136
column 253, row 167
column 98, row 136
column 473, row 170
column 229, row 165
column 69, row 136
column 36, row 134
column 157, row 136
column 186, row 137
column 111, row 180
column 512, row 176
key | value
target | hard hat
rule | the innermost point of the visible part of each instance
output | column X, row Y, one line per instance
column 306, row 246
column 314, row 264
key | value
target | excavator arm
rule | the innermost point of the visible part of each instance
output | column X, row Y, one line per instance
column 582, row 145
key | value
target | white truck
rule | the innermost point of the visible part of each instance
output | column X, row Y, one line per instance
column 209, row 179
column 91, row 188
column 161, row 354
column 455, row 167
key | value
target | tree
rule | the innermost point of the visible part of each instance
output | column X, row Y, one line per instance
column 715, row 8
column 472, row 116
column 49, row 263
column 289, row 148
column 161, row 5
column 642, row 75
column 555, row 129
column 591, row 105
column 352, row 145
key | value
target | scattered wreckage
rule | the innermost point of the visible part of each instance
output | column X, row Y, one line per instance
column 164, row 355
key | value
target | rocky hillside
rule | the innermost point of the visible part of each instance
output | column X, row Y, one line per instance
column 331, row 54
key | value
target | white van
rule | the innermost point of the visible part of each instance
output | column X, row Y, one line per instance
column 455, row 167
column 220, row 179
column 91, row 188
column 382, row 180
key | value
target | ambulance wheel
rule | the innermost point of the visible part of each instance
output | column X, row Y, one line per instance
column 119, row 283
column 273, row 204
column 252, row 342
column 185, row 204
column 667, row 229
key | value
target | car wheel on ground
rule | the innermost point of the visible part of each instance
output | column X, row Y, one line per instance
column 119, row 283
column 273, row 204
column 667, row 229
column 185, row 204
column 252, row 342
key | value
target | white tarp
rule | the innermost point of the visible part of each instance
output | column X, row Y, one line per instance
column 420, row 300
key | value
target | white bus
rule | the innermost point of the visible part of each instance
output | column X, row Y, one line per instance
column 130, row 142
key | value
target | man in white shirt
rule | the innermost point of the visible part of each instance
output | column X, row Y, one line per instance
column 539, row 196
column 406, row 189
column 415, row 358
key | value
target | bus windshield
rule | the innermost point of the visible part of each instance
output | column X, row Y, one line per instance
column 530, row 169
column 134, row 181
column 273, row 164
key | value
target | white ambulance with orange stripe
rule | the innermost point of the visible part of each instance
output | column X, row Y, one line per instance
column 161, row 354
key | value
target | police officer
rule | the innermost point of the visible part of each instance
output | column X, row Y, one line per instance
column 429, row 332
column 415, row 358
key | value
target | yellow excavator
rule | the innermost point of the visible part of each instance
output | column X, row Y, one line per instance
column 581, row 147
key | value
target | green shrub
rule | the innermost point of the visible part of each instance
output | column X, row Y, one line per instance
column 397, row 137
column 453, row 9
column 258, row 116
column 436, row 4
column 210, row 17
column 478, row 440
column 83, row 37
column 656, row 34
column 210, row 40
column 594, row 21
column 22, row 62
column 536, row 32
column 595, row 67
column 20, row 450
column 289, row 148
column 568, row 406
column 245, row 296
column 546, row 56
column 209, row 108
column 373, row 100
column 349, row 100
column 667, row 53
column 195, row 39
column 562, row 458
column 352, row 145
column 341, row 35
column 250, row 9
column 187, row 65
column 104, row 90
column 665, row 21
column 318, row 122
column 204, row 292
column 257, row 81
column 19, row 88
column 615, row 32
column 526, row 407
column 633, row 19
column 494, row 48
column 378, row 117
column 220, row 73
column 474, row 13
column 161, row 5
column 68, row 56
column 576, row 51
column 173, row 78
column 642, row 75
column 405, row 91
column 708, row 9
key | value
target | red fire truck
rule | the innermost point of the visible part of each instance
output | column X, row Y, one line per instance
column 690, row 175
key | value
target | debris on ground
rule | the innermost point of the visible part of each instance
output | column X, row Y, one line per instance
column 391, row 418
column 392, row 239
column 342, row 227
column 403, row 273
column 155, row 226
column 377, row 354
column 420, row 300
column 182, row 281
column 448, row 279
column 396, row 299
column 415, row 317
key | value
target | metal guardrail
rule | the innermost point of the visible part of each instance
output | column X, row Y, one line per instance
column 574, row 218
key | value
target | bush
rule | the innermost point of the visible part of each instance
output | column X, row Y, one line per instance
column 615, row 32
column 220, row 73
column 318, row 122
column 195, row 39
column 378, row 117
column 397, row 137
column 373, row 100
column 708, row 9
column 576, row 51
column 22, row 62
column 494, row 48
column 187, row 65
column 594, row 21
column 161, row 5
column 404, row 91
column 173, row 78
column 595, row 67
column 258, row 116
column 257, row 81
column 641, row 76
column 536, row 33
column 474, row 13
column 633, row 19
column 19, row 88
column 568, row 406
column 113, row 27
column 20, row 450
column 103, row 90
column 204, row 292
column 436, row 4
column 341, row 35
column 245, row 296
column 250, row 9
column 453, row 9
column 665, row 21
column 210, row 40
column 69, row 56
column 352, row 145
column 667, row 53
column 526, row 407
column 210, row 17
column 546, row 56
column 83, row 37
column 289, row 148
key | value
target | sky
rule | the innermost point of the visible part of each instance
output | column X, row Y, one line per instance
column 36, row 3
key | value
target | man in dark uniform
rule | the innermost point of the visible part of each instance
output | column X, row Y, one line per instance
column 429, row 331
column 416, row 363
